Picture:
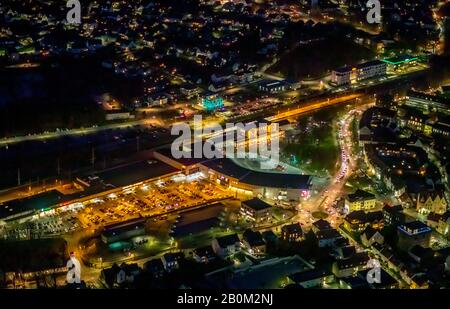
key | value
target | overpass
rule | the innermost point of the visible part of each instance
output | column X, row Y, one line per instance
column 313, row 106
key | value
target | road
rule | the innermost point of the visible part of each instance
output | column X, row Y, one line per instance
column 314, row 106
column 334, row 190
column 80, row 131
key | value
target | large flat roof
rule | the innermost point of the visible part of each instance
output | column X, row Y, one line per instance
column 257, row 204
column 41, row 201
column 198, row 220
column 118, row 177
column 135, row 172
column 358, row 66
column 256, row 178
column 123, row 227
column 185, row 161
column 400, row 59
column 428, row 97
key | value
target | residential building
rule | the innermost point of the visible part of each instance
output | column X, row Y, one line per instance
column 204, row 254
column 172, row 261
column 394, row 215
column 321, row 225
column 123, row 230
column 349, row 267
column 344, row 252
column 371, row 236
column 428, row 102
column 358, row 221
column 254, row 242
column 431, row 201
column 444, row 224
column 353, row 283
column 270, row 237
column 155, row 267
column 327, row 238
column 432, row 220
column 273, row 86
column 386, row 280
column 118, row 276
column 312, row 278
column 291, row 232
column 189, row 90
column 350, row 75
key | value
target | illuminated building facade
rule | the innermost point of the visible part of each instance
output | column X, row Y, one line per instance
column 212, row 102
column 428, row 102
column 400, row 62
column 412, row 234
column 350, row 75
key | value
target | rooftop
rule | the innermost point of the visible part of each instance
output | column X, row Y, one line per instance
column 393, row 209
column 256, row 204
column 206, row 251
column 228, row 240
column 414, row 228
column 322, row 224
column 362, row 216
column 136, row 172
column 123, row 227
column 254, row 238
column 360, row 195
column 311, row 274
column 292, row 228
column 386, row 280
column 155, row 265
column 400, row 59
column 328, row 234
column 231, row 169
column 359, row 66
column 358, row 259
column 173, row 257
column 356, row 282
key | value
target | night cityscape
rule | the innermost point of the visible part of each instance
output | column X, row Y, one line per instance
column 225, row 144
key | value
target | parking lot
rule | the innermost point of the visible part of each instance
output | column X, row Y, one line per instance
column 155, row 198
column 56, row 223
column 149, row 199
